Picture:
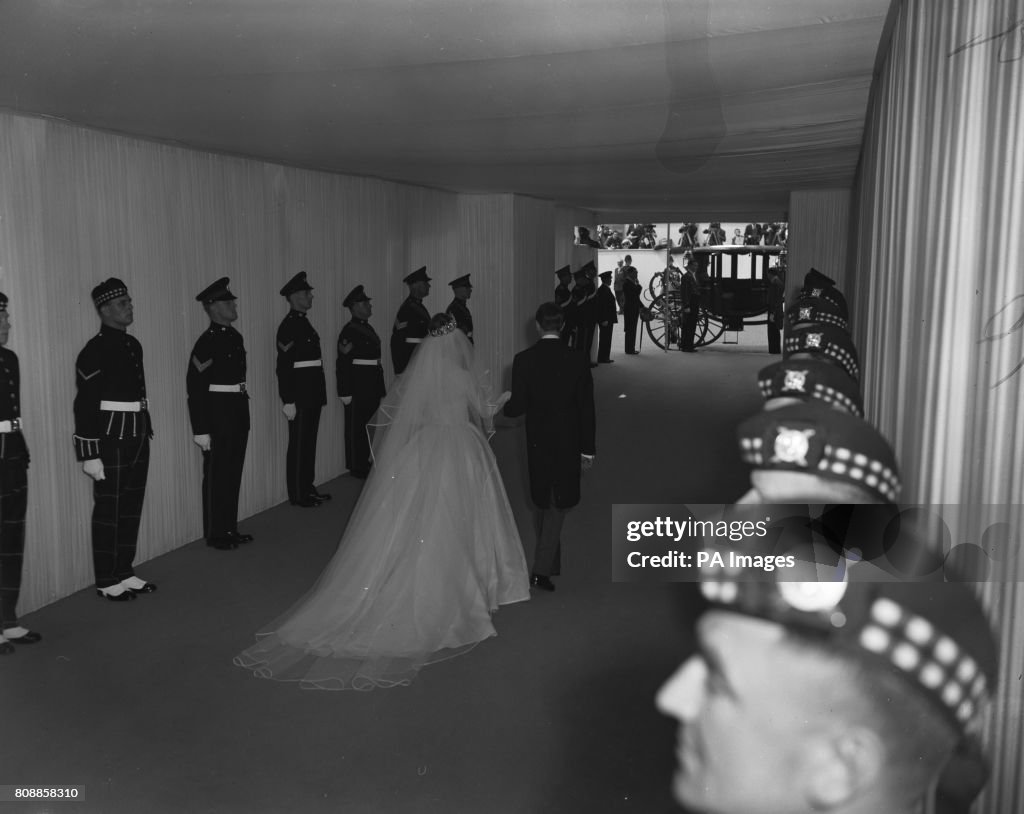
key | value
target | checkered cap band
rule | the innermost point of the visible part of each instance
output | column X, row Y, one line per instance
column 816, row 311
column 108, row 290
column 818, row 440
column 810, row 379
column 832, row 295
column 827, row 341
column 871, row 621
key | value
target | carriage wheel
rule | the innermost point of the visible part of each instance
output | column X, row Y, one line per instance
column 709, row 328
column 663, row 327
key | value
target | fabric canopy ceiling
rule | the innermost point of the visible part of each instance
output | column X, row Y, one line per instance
column 633, row 108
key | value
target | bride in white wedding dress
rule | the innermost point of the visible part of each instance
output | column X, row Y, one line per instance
column 431, row 549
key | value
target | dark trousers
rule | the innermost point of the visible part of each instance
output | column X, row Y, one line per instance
column 13, row 502
column 604, row 342
column 357, row 443
column 631, row 317
column 688, row 328
column 585, row 339
column 774, row 337
column 222, row 479
column 547, row 558
column 117, row 507
column 300, row 463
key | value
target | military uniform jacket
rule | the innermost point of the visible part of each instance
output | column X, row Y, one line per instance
column 109, row 368
column 412, row 323
column 463, row 319
column 12, row 444
column 583, row 297
column 358, row 344
column 300, row 367
column 607, row 308
column 218, row 358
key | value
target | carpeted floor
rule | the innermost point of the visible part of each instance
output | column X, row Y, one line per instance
column 140, row 704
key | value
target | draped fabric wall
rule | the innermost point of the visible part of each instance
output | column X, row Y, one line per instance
column 940, row 294
column 78, row 206
column 819, row 229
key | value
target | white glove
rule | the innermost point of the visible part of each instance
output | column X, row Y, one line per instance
column 346, row 400
column 289, row 411
column 202, row 441
column 94, row 469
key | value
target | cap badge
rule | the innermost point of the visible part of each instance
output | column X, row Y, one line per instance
column 817, row 292
column 813, row 340
column 805, row 313
column 813, row 596
column 795, row 380
column 792, row 446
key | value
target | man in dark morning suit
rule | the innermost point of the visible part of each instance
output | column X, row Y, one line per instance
column 303, row 390
column 360, row 380
column 412, row 320
column 564, row 300
column 112, row 433
column 462, row 289
column 607, row 315
column 218, row 407
column 13, row 493
column 631, row 290
column 553, row 387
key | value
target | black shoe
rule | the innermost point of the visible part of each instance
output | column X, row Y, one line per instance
column 593, row 364
column 6, row 648
column 238, row 537
column 29, row 638
column 606, row 361
column 323, row 497
column 148, row 588
column 632, row 353
column 127, row 596
column 542, row 582
column 306, row 503
column 224, row 543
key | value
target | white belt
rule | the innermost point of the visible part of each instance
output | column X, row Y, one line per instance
column 413, row 341
column 373, row 362
column 227, row 388
column 123, row 406
column 10, row 426
column 310, row 363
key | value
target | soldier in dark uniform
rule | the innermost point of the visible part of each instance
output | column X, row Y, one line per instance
column 689, row 292
column 13, row 493
column 462, row 289
column 607, row 316
column 360, row 380
column 775, row 302
column 583, row 300
column 303, row 390
column 412, row 321
column 860, row 695
column 564, row 300
column 218, row 408
column 112, row 432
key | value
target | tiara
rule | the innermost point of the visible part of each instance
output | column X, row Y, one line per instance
column 444, row 328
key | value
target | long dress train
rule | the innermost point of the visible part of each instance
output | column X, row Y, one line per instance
column 431, row 549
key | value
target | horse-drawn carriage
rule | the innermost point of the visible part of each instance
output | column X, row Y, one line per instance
column 735, row 292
